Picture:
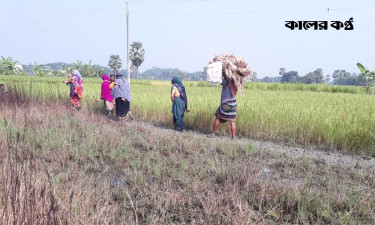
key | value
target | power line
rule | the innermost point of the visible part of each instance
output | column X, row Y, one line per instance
column 60, row 17
column 251, row 12
column 96, row 9
column 345, row 9
column 171, row 1
column 70, row 25
column 175, row 14
column 219, row 13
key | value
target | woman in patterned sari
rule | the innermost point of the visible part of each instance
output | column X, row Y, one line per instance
column 228, row 107
column 75, row 82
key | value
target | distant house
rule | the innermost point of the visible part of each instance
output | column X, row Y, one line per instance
column 18, row 67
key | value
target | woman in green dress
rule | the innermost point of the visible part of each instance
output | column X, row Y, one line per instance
column 179, row 103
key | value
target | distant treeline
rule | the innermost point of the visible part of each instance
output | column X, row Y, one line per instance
column 338, row 77
column 88, row 70
column 154, row 73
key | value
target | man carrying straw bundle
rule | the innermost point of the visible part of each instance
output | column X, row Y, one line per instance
column 234, row 71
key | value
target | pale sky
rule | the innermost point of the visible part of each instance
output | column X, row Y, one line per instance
column 187, row 34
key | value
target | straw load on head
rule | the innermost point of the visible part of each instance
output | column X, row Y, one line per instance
column 233, row 68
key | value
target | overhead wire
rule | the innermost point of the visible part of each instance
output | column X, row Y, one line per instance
column 182, row 14
column 71, row 25
column 95, row 9
column 168, row 14
column 60, row 17
column 252, row 12
column 171, row 1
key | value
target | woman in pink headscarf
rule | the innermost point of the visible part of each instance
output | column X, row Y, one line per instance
column 106, row 94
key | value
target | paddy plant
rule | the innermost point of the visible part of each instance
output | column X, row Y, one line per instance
column 332, row 117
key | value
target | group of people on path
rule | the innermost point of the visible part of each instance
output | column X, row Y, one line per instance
column 226, row 112
column 115, row 91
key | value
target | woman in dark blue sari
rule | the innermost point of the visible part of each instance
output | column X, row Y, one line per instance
column 179, row 103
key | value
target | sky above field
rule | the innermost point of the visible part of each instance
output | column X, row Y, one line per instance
column 187, row 34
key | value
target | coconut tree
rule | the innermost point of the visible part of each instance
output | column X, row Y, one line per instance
column 115, row 63
column 137, row 55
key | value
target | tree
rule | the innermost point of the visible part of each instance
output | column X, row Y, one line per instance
column 341, row 77
column 78, row 65
column 288, row 77
column 268, row 79
column 360, row 79
column 328, row 78
column 338, row 74
column 57, row 73
column 115, row 63
column 205, row 69
column 282, row 71
column 47, row 70
column 137, row 55
column 181, row 75
column 88, row 70
column 8, row 66
column 315, row 77
column 67, row 68
column 252, row 78
column 319, row 77
column 367, row 74
column 99, row 71
column 39, row 69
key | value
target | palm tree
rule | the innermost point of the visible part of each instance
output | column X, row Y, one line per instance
column 115, row 63
column 137, row 55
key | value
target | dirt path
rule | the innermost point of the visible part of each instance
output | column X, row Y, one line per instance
column 325, row 157
column 320, row 156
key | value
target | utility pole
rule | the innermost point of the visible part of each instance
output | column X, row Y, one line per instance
column 127, row 41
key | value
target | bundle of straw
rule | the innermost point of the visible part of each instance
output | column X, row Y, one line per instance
column 235, row 69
